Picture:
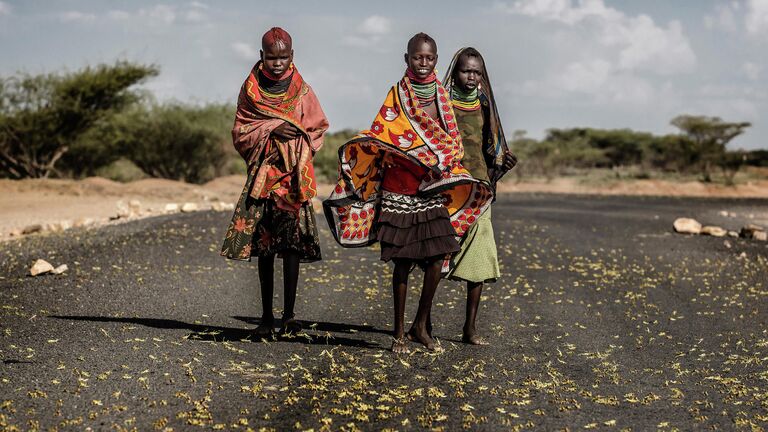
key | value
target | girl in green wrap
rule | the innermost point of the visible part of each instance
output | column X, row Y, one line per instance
column 487, row 158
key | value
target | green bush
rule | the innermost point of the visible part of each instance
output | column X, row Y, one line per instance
column 121, row 170
column 176, row 141
column 326, row 160
column 42, row 116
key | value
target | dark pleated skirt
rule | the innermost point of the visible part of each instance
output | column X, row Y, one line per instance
column 414, row 228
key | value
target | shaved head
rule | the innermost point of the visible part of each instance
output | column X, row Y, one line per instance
column 276, row 35
column 420, row 38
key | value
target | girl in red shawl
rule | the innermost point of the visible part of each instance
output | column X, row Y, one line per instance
column 279, row 126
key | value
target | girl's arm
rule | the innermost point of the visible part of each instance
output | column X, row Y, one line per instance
column 313, row 119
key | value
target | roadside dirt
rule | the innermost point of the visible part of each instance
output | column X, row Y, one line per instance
column 49, row 202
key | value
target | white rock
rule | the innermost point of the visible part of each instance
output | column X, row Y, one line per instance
column 760, row 235
column 83, row 222
column 723, row 213
column 135, row 207
column 733, row 234
column 58, row 226
column 687, row 226
column 750, row 230
column 40, row 267
column 60, row 269
column 171, row 208
column 714, row 231
column 222, row 206
column 188, row 207
column 123, row 211
column 727, row 244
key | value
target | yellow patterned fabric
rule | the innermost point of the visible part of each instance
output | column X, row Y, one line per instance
column 403, row 129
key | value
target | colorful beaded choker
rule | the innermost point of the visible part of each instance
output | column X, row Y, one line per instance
column 425, row 93
column 463, row 100
column 425, row 90
column 273, row 91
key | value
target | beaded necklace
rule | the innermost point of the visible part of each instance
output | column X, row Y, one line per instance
column 465, row 101
column 426, row 89
column 425, row 93
column 272, row 91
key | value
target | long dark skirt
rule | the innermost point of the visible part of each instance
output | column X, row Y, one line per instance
column 414, row 228
column 259, row 228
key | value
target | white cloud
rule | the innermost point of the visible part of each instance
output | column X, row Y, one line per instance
column 195, row 16
column 245, row 51
column 723, row 17
column 731, row 109
column 196, row 12
column 562, row 10
column 370, row 32
column 118, row 15
column 732, row 91
column 161, row 13
column 639, row 41
column 165, row 87
column 5, row 8
column 756, row 18
column 76, row 16
column 751, row 70
column 583, row 77
column 595, row 81
column 375, row 25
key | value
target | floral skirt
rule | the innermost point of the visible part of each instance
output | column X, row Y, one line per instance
column 259, row 228
column 414, row 228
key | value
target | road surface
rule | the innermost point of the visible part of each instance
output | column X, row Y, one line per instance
column 604, row 319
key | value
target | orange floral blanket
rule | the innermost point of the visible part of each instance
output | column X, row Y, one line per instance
column 403, row 129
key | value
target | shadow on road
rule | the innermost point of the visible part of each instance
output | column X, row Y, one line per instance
column 202, row 332
column 13, row 361
column 326, row 326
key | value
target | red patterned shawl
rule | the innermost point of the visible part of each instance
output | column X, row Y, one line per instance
column 290, row 181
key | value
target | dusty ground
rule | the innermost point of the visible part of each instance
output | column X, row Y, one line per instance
column 27, row 202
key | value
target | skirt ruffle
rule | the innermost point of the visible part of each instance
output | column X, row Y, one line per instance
column 417, row 231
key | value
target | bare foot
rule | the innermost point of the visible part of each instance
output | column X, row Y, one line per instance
column 474, row 339
column 421, row 337
column 400, row 346
column 291, row 325
column 265, row 328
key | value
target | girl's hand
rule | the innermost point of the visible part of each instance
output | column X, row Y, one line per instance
column 271, row 158
column 510, row 161
column 286, row 131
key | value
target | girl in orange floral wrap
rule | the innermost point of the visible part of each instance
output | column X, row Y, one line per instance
column 401, row 183
column 279, row 126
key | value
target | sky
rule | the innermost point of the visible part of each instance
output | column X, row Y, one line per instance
column 552, row 63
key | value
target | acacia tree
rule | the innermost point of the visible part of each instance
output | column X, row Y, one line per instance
column 42, row 115
column 710, row 136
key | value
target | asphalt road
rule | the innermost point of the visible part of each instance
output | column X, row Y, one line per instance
column 604, row 319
